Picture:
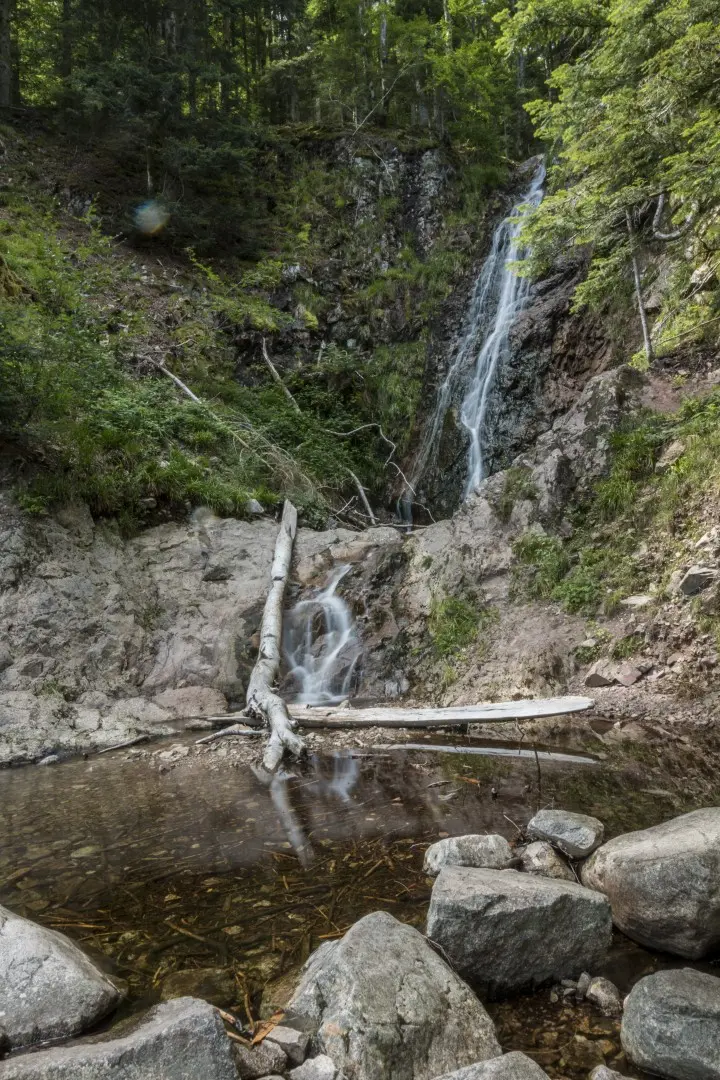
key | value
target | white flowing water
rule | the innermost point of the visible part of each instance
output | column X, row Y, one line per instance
column 321, row 645
column 498, row 297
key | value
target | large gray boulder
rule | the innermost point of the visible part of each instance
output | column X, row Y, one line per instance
column 49, row 989
column 506, row 931
column 671, row 1025
column 179, row 1040
column 513, row 1066
column 492, row 852
column 664, row 883
column 387, row 1007
column 577, row 835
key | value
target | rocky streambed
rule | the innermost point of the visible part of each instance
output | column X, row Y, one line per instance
column 191, row 887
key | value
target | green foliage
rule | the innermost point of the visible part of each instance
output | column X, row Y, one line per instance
column 542, row 564
column 632, row 114
column 517, row 486
column 455, row 623
column 128, row 443
column 627, row 646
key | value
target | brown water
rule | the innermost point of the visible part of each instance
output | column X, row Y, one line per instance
column 206, row 866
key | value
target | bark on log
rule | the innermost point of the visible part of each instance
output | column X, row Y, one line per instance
column 261, row 699
column 337, row 716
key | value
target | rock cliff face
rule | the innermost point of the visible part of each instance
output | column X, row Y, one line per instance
column 553, row 354
column 102, row 638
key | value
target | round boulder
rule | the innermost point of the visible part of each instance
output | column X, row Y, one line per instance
column 663, row 883
column 49, row 989
column 386, row 1006
column 671, row 1025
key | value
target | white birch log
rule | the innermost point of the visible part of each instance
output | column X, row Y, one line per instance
column 262, row 700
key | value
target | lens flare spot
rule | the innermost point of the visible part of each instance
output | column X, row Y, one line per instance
column 151, row 218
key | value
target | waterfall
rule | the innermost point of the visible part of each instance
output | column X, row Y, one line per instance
column 498, row 297
column 321, row 646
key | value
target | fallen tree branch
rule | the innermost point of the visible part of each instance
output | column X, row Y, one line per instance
column 276, row 376
column 178, row 382
column 261, row 699
column 124, row 745
column 234, row 729
column 363, row 498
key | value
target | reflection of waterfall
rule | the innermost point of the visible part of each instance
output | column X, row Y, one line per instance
column 498, row 298
column 321, row 646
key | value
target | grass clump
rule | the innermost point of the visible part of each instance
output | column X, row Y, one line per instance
column 517, row 486
column 455, row 623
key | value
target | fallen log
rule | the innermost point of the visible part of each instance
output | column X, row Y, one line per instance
column 339, row 716
column 262, row 701
column 344, row 716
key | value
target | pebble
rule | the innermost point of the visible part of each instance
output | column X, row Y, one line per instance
column 293, row 1042
column 606, row 996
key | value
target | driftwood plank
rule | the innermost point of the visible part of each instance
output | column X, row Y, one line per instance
column 339, row 716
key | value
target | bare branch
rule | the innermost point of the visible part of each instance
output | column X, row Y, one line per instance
column 276, row 376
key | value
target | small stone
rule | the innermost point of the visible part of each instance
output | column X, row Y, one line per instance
column 583, row 1053
column 670, row 455
column 318, row 1068
column 218, row 573
column 640, row 601
column 601, row 673
column 577, row 835
column 512, row 1066
column 216, row 985
column 254, row 508
column 601, row 1072
column 606, row 996
column 582, row 985
column 542, row 858
column 51, row 759
column 696, row 579
column 261, row 1060
column 491, row 852
column 293, row 1042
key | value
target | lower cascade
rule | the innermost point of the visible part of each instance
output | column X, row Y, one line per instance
column 321, row 646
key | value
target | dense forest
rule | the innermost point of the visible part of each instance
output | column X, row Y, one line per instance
column 219, row 136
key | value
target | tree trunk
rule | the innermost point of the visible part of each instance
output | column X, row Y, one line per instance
column 262, row 700
column 6, row 53
column 638, row 290
column 66, row 52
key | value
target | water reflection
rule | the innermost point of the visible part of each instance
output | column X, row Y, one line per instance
column 207, row 864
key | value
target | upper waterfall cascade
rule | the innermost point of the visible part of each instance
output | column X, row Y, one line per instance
column 321, row 646
column 498, row 297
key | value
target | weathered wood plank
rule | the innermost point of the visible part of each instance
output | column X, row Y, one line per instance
column 342, row 716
